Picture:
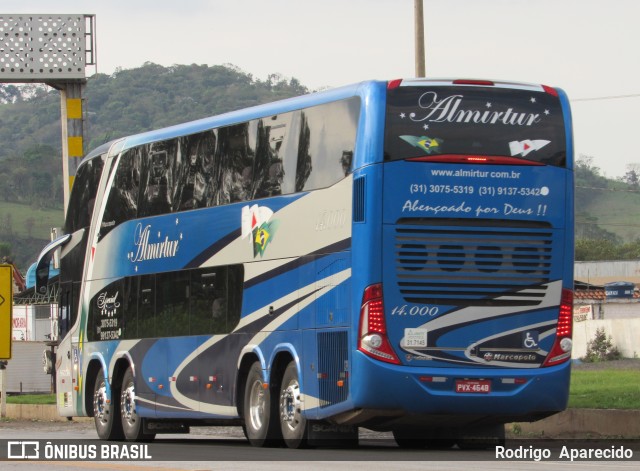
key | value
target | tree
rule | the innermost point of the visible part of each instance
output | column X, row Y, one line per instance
column 632, row 177
column 5, row 250
column 596, row 249
column 601, row 348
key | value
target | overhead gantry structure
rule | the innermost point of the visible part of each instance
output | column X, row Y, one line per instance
column 54, row 49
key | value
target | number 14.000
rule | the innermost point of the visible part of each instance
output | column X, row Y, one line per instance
column 420, row 311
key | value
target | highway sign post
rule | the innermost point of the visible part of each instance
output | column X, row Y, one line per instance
column 6, row 305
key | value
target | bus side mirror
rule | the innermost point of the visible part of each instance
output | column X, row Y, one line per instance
column 44, row 259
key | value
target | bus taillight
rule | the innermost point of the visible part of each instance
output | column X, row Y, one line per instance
column 373, row 340
column 392, row 84
column 561, row 350
column 479, row 83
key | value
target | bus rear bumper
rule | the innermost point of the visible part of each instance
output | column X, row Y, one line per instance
column 406, row 395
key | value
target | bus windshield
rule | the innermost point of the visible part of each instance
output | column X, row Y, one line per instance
column 434, row 121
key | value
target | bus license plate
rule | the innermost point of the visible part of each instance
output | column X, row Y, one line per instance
column 473, row 386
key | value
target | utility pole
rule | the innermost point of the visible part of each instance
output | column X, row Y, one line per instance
column 419, row 27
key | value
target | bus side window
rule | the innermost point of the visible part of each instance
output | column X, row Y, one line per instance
column 146, row 306
column 172, row 304
column 122, row 203
column 157, row 179
column 270, row 153
column 130, row 308
column 83, row 195
column 197, row 172
column 324, row 161
column 216, row 299
column 207, row 301
column 236, row 152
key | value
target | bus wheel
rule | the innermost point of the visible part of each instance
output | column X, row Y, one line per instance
column 292, row 422
column 105, row 412
column 131, row 422
column 259, row 411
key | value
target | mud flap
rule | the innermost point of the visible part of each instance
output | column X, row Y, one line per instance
column 325, row 434
column 153, row 427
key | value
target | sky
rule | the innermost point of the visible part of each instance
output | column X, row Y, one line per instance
column 589, row 48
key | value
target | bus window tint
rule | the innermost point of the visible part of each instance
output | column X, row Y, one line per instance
column 195, row 179
column 146, row 306
column 123, row 197
column 423, row 121
column 234, row 158
column 130, row 308
column 157, row 176
column 194, row 302
column 83, row 194
column 209, row 301
column 326, row 142
column 216, row 297
column 172, row 304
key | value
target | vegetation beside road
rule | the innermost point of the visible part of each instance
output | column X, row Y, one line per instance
column 32, row 399
column 606, row 385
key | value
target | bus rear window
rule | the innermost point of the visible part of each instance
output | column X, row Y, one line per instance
column 474, row 121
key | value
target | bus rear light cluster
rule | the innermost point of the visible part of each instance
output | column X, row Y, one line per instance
column 372, row 339
column 474, row 159
column 561, row 350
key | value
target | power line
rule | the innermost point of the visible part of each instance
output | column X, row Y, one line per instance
column 611, row 97
column 605, row 224
column 613, row 190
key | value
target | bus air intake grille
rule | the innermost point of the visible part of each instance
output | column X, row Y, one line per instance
column 358, row 199
column 333, row 367
column 473, row 262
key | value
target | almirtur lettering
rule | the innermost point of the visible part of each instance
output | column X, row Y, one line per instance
column 146, row 250
column 448, row 110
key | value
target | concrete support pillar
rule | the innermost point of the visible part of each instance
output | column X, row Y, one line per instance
column 71, row 97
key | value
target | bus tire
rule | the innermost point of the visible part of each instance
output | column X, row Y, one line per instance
column 292, row 423
column 132, row 426
column 259, row 411
column 106, row 414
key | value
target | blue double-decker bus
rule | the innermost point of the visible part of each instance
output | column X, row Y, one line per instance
column 390, row 255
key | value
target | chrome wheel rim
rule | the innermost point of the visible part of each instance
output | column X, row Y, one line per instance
column 291, row 406
column 128, row 403
column 257, row 402
column 100, row 404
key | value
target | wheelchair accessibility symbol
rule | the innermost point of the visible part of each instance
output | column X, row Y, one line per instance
column 530, row 340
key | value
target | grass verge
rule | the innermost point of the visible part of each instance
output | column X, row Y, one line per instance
column 32, row 399
column 605, row 389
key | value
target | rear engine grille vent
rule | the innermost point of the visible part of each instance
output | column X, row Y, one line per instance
column 333, row 367
column 473, row 263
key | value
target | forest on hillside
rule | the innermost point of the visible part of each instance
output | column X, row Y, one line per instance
column 152, row 96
